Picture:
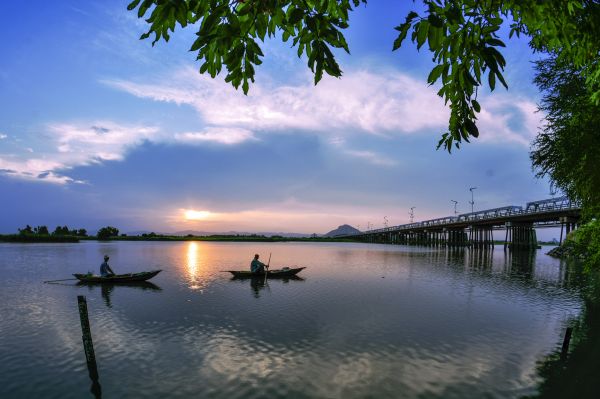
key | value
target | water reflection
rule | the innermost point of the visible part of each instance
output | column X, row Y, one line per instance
column 368, row 321
column 576, row 375
column 520, row 264
column 107, row 289
column 192, row 265
column 258, row 283
column 96, row 389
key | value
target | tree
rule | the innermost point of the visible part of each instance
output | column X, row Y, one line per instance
column 106, row 232
column 568, row 148
column 462, row 35
column 61, row 231
column 27, row 230
column 81, row 233
column 41, row 230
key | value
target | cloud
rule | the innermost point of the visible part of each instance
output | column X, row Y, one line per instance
column 100, row 141
column 372, row 157
column 504, row 118
column 225, row 136
column 390, row 103
column 72, row 145
column 35, row 169
column 3, row 136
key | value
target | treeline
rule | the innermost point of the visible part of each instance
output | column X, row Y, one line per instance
column 221, row 237
column 42, row 234
column 58, row 231
column 64, row 234
column 59, row 234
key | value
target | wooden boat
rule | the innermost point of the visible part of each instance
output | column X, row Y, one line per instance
column 117, row 278
column 142, row 285
column 275, row 273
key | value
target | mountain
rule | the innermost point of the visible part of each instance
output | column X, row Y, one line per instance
column 342, row 230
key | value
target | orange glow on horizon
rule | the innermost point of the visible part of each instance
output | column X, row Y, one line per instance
column 191, row 214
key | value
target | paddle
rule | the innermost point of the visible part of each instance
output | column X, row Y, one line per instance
column 267, row 271
column 64, row 279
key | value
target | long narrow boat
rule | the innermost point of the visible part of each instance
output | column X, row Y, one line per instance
column 277, row 273
column 142, row 285
column 117, row 278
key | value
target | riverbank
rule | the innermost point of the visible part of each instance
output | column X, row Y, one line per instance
column 233, row 238
column 251, row 238
column 37, row 238
column 582, row 244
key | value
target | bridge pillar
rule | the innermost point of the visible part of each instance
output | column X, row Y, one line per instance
column 569, row 223
column 428, row 237
column 481, row 236
column 521, row 235
column 456, row 238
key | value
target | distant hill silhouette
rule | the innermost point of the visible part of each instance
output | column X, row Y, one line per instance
column 342, row 230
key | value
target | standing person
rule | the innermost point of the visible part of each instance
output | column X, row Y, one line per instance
column 257, row 266
column 105, row 270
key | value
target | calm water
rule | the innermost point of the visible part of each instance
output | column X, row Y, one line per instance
column 366, row 321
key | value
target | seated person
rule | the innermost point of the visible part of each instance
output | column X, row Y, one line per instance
column 105, row 270
column 257, row 266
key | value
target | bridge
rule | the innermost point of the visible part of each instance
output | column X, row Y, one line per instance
column 476, row 228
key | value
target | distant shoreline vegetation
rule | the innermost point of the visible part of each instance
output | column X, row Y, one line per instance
column 42, row 234
column 221, row 237
column 64, row 234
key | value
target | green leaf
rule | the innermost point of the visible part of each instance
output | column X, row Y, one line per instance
column 403, row 32
column 435, row 20
column 476, row 105
column 492, row 80
column 133, row 5
column 435, row 73
column 495, row 42
column 204, row 67
column 501, row 79
column 434, row 37
column 470, row 77
column 422, row 29
column 295, row 16
column 471, row 128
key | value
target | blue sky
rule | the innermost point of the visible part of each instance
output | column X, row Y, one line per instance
column 98, row 128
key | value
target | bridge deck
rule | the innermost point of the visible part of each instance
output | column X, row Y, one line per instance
column 544, row 213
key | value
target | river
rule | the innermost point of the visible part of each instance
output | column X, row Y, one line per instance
column 363, row 321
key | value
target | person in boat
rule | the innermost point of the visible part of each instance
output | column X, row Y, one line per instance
column 105, row 270
column 257, row 266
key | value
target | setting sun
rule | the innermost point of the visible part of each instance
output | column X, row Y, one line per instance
column 196, row 215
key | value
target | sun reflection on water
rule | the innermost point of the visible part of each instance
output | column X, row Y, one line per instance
column 192, row 265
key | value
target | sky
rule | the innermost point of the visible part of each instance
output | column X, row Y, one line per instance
column 99, row 128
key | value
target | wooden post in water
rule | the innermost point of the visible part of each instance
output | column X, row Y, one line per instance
column 88, row 345
column 566, row 342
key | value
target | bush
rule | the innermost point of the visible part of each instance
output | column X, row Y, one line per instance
column 585, row 243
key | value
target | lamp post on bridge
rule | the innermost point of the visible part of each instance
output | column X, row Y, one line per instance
column 472, row 202
column 455, row 211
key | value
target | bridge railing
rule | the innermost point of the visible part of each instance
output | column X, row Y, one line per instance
column 543, row 206
column 548, row 204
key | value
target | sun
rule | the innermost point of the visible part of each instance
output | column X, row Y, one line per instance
column 191, row 214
